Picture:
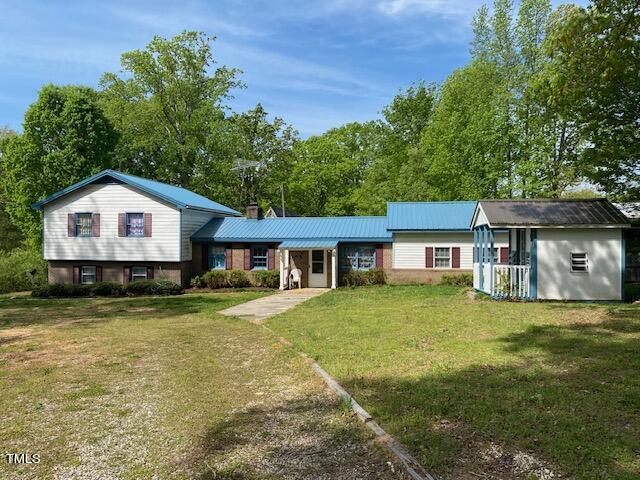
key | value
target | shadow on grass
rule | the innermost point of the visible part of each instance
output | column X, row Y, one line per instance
column 25, row 311
column 296, row 439
column 571, row 398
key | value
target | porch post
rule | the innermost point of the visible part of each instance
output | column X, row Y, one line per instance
column 491, row 260
column 334, row 267
column 282, row 274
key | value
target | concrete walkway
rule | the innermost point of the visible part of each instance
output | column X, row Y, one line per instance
column 257, row 311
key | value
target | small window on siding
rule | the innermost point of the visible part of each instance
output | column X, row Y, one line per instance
column 84, row 225
column 138, row 273
column 88, row 275
column 260, row 257
column 579, row 262
column 217, row 259
column 442, row 256
column 135, row 224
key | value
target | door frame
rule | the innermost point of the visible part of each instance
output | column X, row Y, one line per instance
column 314, row 278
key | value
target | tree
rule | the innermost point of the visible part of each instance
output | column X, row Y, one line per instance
column 394, row 143
column 595, row 70
column 329, row 168
column 66, row 138
column 9, row 234
column 165, row 104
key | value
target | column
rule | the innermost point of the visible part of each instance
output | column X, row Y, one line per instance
column 282, row 272
column 334, row 267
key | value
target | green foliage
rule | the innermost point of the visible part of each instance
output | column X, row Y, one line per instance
column 107, row 289
column 266, row 278
column 165, row 102
column 458, row 280
column 216, row 279
column 595, row 72
column 21, row 270
column 198, row 282
column 153, row 287
column 238, row 279
column 632, row 292
column 61, row 290
column 358, row 278
column 66, row 138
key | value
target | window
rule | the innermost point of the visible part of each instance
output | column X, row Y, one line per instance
column 88, row 275
column 317, row 261
column 357, row 258
column 138, row 273
column 217, row 258
column 135, row 224
column 442, row 256
column 579, row 262
column 84, row 225
column 259, row 257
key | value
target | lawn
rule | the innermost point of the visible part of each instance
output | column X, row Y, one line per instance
column 483, row 389
column 136, row 388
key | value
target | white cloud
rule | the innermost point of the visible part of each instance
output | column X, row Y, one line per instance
column 457, row 9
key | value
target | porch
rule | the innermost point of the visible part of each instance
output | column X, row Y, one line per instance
column 504, row 275
column 317, row 261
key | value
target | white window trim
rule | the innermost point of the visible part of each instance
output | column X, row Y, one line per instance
column 83, row 274
column 76, row 219
column 266, row 257
column 127, row 223
column 138, row 275
column 224, row 253
column 318, row 262
column 435, row 247
column 586, row 262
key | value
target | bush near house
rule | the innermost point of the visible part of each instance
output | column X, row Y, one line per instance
column 107, row 289
column 358, row 278
column 16, row 270
column 216, row 279
column 266, row 278
column 459, row 280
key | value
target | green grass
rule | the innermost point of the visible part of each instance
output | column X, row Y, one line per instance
column 164, row 388
column 451, row 376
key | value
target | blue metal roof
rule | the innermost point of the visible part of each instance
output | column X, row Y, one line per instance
column 367, row 229
column 180, row 197
column 420, row 216
column 303, row 243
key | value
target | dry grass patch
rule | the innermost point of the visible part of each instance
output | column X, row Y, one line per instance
column 165, row 388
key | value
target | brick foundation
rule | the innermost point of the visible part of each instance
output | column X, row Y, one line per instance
column 178, row 272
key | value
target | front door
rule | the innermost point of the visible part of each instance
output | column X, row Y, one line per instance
column 317, row 269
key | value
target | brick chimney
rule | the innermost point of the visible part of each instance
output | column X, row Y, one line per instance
column 254, row 212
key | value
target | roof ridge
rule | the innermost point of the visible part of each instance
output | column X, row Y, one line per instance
column 416, row 202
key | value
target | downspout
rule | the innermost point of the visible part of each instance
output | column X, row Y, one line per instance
column 491, row 260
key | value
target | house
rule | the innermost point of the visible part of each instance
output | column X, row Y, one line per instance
column 122, row 228
column 119, row 227
column 631, row 210
column 558, row 249
column 276, row 212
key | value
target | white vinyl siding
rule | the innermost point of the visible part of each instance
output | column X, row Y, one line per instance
column 192, row 221
column 109, row 200
column 602, row 280
column 409, row 248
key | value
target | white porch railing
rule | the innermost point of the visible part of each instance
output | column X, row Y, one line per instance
column 511, row 281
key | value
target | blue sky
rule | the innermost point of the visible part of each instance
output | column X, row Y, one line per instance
column 316, row 64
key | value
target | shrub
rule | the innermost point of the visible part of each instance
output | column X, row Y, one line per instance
column 266, row 278
column 460, row 280
column 153, row 287
column 238, row 279
column 107, row 289
column 21, row 270
column 632, row 292
column 198, row 281
column 217, row 279
column 61, row 290
column 358, row 278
